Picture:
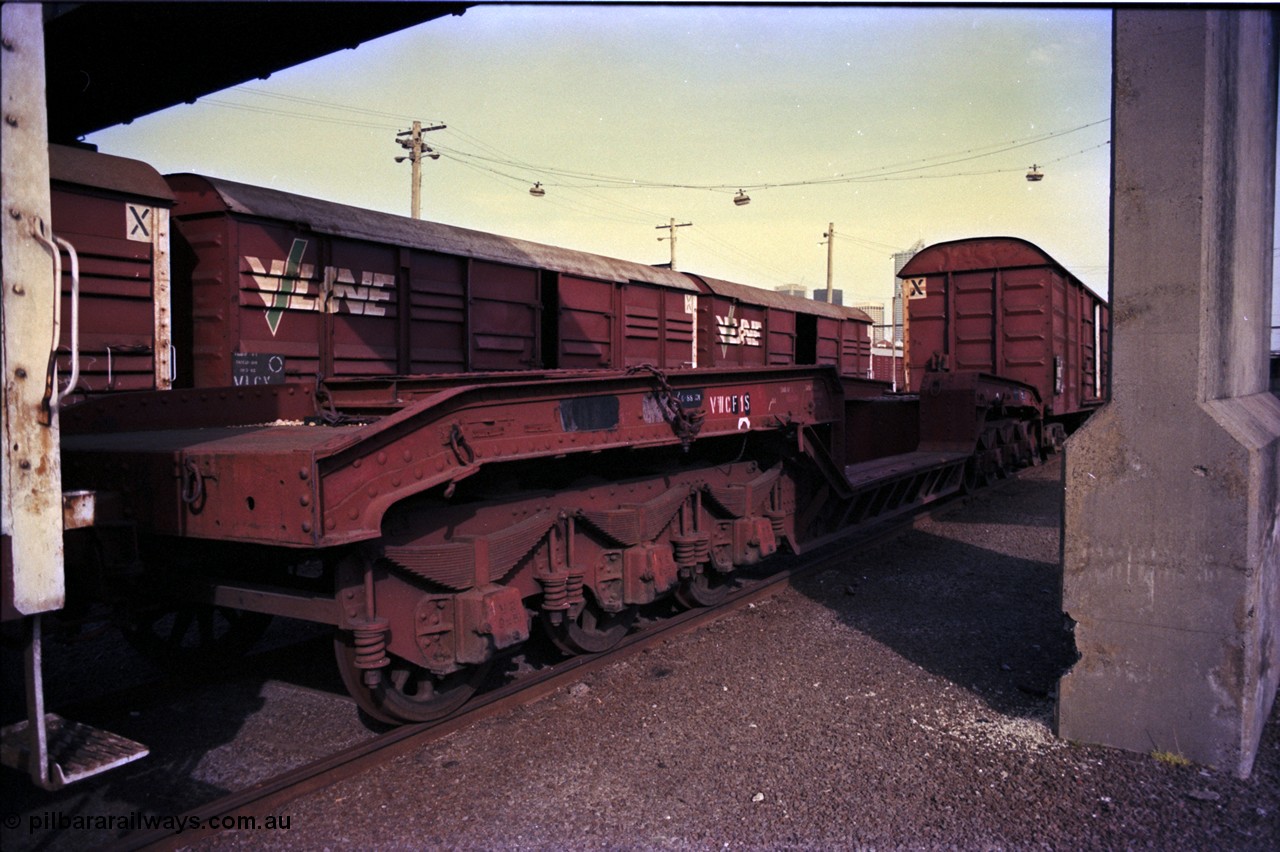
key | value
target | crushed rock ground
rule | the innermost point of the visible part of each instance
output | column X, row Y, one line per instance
column 902, row 699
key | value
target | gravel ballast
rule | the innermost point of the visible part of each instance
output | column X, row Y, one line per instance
column 901, row 699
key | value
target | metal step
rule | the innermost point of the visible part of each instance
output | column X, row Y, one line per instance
column 76, row 751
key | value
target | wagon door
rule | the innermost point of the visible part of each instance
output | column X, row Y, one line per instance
column 1025, row 331
column 586, row 323
column 437, row 307
column 361, row 309
column 275, row 327
column 972, row 336
column 503, row 308
column 855, row 349
column 780, row 337
column 828, row 351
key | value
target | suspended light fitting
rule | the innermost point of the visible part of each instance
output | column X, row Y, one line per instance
column 537, row 191
column 741, row 198
column 1035, row 174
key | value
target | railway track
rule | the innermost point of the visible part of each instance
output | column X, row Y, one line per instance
column 262, row 800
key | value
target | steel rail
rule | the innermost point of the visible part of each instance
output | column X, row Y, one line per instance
column 266, row 797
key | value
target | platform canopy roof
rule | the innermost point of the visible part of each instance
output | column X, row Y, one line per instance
column 109, row 63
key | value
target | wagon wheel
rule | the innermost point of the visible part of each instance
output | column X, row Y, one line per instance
column 192, row 634
column 405, row 692
column 593, row 631
column 705, row 588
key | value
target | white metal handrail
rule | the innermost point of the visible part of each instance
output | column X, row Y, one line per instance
column 56, row 245
column 75, row 321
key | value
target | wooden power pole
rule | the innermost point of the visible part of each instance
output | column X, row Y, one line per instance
column 411, row 140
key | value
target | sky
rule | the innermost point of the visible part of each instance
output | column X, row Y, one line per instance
column 892, row 125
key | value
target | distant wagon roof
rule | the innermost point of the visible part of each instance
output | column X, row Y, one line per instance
column 977, row 253
column 774, row 299
column 327, row 217
column 102, row 171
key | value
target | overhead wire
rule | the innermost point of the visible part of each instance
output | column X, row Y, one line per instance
column 514, row 172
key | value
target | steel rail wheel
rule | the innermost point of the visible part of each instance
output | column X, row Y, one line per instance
column 705, row 588
column 405, row 692
column 592, row 632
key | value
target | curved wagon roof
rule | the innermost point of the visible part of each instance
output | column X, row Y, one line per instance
column 201, row 194
column 770, row 298
column 976, row 253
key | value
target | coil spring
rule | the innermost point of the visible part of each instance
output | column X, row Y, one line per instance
column 573, row 590
column 778, row 521
column 555, row 594
column 370, row 637
column 685, row 550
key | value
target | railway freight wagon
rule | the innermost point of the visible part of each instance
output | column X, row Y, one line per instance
column 111, row 218
column 1002, row 306
column 287, row 286
column 436, row 441
column 192, row 281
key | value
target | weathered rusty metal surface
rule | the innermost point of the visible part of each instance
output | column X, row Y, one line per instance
column 308, row 486
column 31, row 498
column 313, row 288
column 956, row 408
column 115, row 212
column 192, row 409
column 1002, row 306
column 746, row 326
column 205, row 194
column 80, row 167
column 773, row 299
column 316, row 288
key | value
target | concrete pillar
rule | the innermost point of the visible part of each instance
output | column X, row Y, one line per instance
column 1172, row 540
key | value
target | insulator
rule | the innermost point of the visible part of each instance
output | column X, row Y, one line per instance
column 370, row 636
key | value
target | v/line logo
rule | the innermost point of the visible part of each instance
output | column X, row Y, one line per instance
column 290, row 284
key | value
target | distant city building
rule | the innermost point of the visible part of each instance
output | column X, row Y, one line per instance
column 900, row 260
column 837, row 296
column 792, row 290
column 876, row 312
column 880, row 329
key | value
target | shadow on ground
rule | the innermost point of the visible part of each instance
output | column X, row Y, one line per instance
column 972, row 594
